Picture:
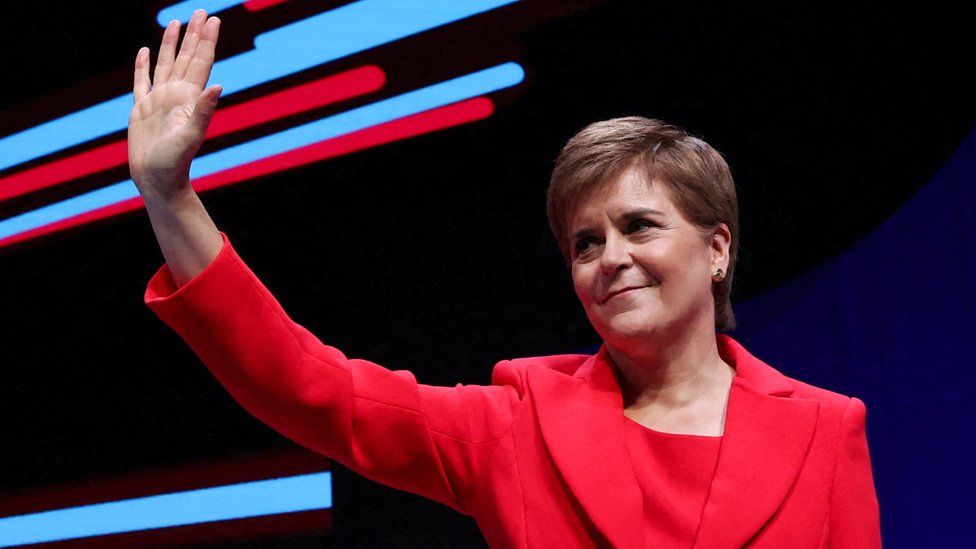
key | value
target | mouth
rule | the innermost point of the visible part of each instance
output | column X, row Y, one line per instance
column 611, row 295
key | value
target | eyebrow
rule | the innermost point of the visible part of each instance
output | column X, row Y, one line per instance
column 627, row 216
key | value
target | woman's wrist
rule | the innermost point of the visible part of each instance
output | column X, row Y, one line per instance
column 187, row 236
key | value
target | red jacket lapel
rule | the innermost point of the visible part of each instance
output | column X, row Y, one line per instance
column 767, row 437
column 581, row 419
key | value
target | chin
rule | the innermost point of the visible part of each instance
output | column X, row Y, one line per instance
column 629, row 327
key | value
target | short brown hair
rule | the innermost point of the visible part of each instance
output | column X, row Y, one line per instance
column 697, row 175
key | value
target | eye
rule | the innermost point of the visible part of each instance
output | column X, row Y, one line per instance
column 639, row 224
column 583, row 244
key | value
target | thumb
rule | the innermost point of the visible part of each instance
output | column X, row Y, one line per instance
column 204, row 109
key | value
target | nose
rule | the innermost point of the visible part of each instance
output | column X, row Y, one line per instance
column 616, row 255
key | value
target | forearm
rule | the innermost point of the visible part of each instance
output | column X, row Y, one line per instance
column 276, row 369
column 187, row 235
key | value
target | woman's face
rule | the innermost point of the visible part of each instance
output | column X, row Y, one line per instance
column 640, row 268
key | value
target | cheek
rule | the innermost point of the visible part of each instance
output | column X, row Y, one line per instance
column 583, row 285
column 670, row 261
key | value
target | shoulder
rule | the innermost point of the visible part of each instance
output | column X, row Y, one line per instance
column 844, row 411
column 826, row 397
column 513, row 372
column 840, row 418
column 767, row 379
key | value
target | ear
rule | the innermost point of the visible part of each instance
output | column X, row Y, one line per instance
column 719, row 245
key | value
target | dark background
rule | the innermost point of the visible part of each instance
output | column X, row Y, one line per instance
column 434, row 254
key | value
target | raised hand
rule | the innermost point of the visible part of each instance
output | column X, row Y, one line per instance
column 172, row 111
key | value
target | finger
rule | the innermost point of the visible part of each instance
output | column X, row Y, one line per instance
column 199, row 70
column 167, row 51
column 203, row 111
column 189, row 45
column 140, row 81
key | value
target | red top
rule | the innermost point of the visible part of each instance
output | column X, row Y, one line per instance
column 674, row 473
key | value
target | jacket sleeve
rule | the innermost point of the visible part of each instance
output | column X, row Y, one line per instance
column 854, row 513
column 432, row 441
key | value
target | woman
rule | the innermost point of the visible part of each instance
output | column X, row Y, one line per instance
column 671, row 435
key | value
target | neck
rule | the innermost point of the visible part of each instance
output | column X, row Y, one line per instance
column 672, row 372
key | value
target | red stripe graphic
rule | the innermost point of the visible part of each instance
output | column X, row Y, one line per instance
column 425, row 122
column 257, row 5
column 317, row 93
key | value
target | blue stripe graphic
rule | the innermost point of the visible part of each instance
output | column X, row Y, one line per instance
column 183, row 10
column 286, row 50
column 437, row 95
column 249, row 499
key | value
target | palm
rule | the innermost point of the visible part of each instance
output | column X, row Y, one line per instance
column 169, row 118
column 157, row 139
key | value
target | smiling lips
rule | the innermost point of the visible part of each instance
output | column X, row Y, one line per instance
column 613, row 294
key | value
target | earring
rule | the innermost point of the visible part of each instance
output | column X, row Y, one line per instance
column 718, row 273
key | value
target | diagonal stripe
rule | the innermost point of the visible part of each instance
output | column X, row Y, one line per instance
column 183, row 10
column 403, row 128
column 258, row 5
column 249, row 499
column 451, row 91
column 286, row 50
column 481, row 82
column 314, row 94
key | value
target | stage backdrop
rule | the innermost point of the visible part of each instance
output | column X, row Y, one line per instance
column 382, row 166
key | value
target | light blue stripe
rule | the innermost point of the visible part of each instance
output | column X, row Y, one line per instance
column 249, row 499
column 443, row 93
column 183, row 10
column 286, row 50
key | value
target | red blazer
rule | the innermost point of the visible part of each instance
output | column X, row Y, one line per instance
column 538, row 458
